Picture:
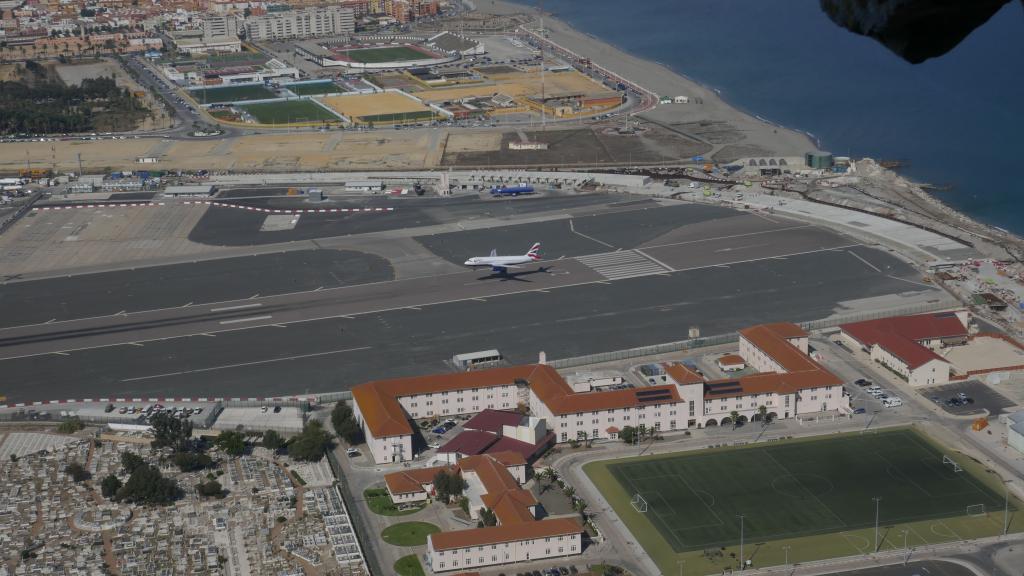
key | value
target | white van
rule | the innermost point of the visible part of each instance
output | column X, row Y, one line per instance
column 892, row 402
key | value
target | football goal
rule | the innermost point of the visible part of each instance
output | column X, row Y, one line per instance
column 946, row 460
column 976, row 510
column 638, row 503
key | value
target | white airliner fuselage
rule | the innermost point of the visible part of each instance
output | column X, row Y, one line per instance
column 501, row 264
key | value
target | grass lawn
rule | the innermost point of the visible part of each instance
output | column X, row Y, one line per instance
column 314, row 89
column 813, row 495
column 408, row 533
column 288, row 112
column 409, row 566
column 380, row 502
column 231, row 94
column 398, row 118
column 385, row 54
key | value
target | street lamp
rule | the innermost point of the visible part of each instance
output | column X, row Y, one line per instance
column 877, row 499
column 786, row 550
column 681, row 564
column 742, row 563
column 1006, row 507
column 906, row 551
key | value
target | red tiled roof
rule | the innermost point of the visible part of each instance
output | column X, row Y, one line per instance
column 470, row 443
column 493, row 420
column 613, row 430
column 506, row 457
column 412, row 481
column 900, row 335
column 384, row 416
column 555, row 393
column 511, row 506
column 524, row 450
column 682, row 374
column 801, row 371
column 505, row 533
column 731, row 360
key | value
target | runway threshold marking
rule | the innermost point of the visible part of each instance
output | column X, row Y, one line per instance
column 244, row 364
column 653, row 259
column 239, row 307
column 858, row 257
column 249, row 319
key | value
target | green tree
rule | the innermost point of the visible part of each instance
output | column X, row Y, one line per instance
column 210, row 488
column 311, row 444
column 735, row 418
column 109, row 486
column 70, row 426
column 130, row 461
column 448, row 485
column 231, row 442
column 191, row 461
column 762, row 410
column 77, row 472
column 147, row 485
column 272, row 440
column 170, row 431
column 487, row 518
column 628, row 434
column 345, row 424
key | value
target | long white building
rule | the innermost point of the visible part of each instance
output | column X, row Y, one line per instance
column 303, row 23
column 789, row 383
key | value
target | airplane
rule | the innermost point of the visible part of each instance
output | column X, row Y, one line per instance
column 501, row 264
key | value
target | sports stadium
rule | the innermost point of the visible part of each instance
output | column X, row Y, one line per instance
column 372, row 57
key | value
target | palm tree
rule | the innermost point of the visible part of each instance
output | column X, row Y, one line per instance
column 581, row 507
column 569, row 491
column 762, row 411
column 735, row 418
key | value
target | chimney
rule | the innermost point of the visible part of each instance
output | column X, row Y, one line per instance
column 542, row 358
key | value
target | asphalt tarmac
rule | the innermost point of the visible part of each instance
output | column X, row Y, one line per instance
column 231, row 227
column 127, row 291
column 333, row 339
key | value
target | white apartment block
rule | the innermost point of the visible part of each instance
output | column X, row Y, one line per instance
column 302, row 23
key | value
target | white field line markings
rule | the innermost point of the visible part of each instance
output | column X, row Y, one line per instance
column 572, row 227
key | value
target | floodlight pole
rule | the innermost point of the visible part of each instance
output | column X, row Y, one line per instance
column 742, row 562
column 1006, row 507
column 786, row 550
column 877, row 499
column 906, row 550
column 681, row 564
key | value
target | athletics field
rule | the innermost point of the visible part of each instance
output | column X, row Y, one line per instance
column 814, row 496
column 384, row 54
column 289, row 112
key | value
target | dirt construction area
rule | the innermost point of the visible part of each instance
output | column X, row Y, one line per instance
column 519, row 84
column 985, row 353
column 357, row 105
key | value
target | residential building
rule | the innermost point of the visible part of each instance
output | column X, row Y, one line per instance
column 303, row 23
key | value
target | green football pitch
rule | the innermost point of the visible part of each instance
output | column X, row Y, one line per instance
column 386, row 54
column 315, row 88
column 231, row 94
column 289, row 112
column 819, row 491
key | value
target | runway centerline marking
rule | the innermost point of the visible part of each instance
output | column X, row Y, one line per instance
column 243, row 364
column 239, row 307
column 249, row 319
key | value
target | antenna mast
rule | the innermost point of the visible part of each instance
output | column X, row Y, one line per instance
column 543, row 96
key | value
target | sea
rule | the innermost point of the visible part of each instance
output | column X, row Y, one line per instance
column 956, row 121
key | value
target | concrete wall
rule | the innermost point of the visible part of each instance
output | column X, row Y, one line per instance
column 931, row 373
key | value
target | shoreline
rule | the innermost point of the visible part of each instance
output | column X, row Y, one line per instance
column 714, row 104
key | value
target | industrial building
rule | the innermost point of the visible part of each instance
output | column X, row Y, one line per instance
column 909, row 345
column 302, row 23
column 788, row 383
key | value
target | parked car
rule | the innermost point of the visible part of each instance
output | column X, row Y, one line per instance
column 859, row 411
column 862, row 382
column 439, row 430
column 893, row 402
column 434, row 445
column 351, row 452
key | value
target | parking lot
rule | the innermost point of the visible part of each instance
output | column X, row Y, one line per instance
column 982, row 398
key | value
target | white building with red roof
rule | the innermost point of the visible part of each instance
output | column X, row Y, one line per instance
column 909, row 345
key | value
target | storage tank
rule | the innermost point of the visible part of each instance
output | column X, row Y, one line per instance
column 819, row 160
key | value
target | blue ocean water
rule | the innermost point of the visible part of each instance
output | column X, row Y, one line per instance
column 957, row 119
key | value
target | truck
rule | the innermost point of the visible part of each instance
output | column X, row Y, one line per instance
column 503, row 190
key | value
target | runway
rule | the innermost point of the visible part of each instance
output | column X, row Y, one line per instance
column 636, row 278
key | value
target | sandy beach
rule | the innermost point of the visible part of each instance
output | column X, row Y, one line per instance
column 733, row 133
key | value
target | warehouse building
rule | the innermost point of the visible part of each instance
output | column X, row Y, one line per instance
column 909, row 345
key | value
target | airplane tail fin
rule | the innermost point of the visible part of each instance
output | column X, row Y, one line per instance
column 494, row 252
column 534, row 252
